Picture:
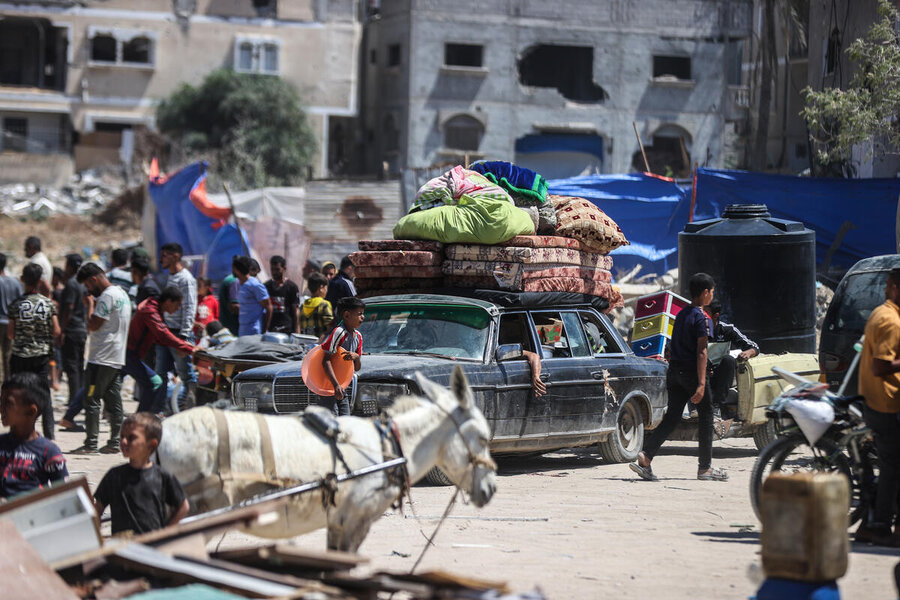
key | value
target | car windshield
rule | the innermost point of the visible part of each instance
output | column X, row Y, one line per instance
column 862, row 294
column 448, row 330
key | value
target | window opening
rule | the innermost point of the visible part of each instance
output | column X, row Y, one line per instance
column 672, row 67
column 463, row 132
column 15, row 134
column 463, row 55
column 257, row 56
column 833, row 51
column 514, row 329
column 554, row 335
column 578, row 344
column 103, row 48
column 393, row 55
column 598, row 336
column 568, row 69
column 136, row 50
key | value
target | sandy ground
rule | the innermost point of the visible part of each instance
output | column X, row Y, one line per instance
column 578, row 528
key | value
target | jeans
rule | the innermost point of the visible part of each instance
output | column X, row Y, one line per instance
column 680, row 386
column 75, row 406
column 339, row 407
column 73, row 365
column 722, row 378
column 886, row 427
column 104, row 384
column 39, row 365
column 152, row 390
column 167, row 359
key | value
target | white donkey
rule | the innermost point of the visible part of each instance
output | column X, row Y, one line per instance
column 445, row 429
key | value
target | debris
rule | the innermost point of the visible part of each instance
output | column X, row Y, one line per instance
column 400, row 554
column 516, row 519
column 20, row 563
column 85, row 192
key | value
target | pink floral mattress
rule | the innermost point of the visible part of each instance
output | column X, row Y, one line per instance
column 390, row 272
column 544, row 241
column 512, row 275
column 566, row 256
column 398, row 258
column 398, row 283
column 423, row 245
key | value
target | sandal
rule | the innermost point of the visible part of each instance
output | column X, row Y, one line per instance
column 645, row 473
column 713, row 475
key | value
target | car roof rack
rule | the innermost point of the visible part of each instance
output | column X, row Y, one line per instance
column 512, row 299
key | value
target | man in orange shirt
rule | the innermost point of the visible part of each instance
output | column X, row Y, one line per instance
column 879, row 383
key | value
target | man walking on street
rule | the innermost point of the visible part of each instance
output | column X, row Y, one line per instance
column 686, row 381
column 285, row 297
column 180, row 323
column 879, row 383
column 10, row 289
column 341, row 285
column 34, row 255
column 108, row 329
column 33, row 327
column 144, row 284
column 119, row 274
column 74, row 330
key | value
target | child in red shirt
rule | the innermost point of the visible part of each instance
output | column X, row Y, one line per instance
column 207, row 306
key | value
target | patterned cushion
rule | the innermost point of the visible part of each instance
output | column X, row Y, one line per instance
column 398, row 283
column 399, row 258
column 544, row 241
column 423, row 245
column 387, row 272
column 581, row 219
column 565, row 256
column 512, row 276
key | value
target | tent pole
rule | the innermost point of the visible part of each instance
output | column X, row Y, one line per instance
column 641, row 144
column 236, row 220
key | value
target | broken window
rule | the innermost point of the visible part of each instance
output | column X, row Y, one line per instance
column 393, row 55
column 672, row 67
column 463, row 55
column 569, row 69
column 668, row 154
column 833, row 51
column 137, row 50
column 257, row 55
column 463, row 132
column 266, row 8
column 15, row 134
column 103, row 48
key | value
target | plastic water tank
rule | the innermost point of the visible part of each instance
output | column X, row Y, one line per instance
column 765, row 273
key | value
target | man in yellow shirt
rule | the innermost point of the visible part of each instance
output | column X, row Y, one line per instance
column 879, row 383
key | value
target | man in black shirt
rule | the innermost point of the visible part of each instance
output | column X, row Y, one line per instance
column 140, row 275
column 285, row 295
column 72, row 323
column 723, row 373
column 686, row 381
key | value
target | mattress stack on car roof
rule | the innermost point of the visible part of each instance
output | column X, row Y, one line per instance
column 476, row 229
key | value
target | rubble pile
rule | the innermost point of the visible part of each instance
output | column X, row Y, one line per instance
column 86, row 192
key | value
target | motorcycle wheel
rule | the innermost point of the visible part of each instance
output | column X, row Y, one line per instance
column 792, row 453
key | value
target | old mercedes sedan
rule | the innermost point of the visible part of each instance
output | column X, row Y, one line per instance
column 597, row 390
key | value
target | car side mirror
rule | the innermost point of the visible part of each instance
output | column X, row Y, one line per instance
column 509, row 352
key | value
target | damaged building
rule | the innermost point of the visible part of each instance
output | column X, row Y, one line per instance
column 554, row 86
column 77, row 78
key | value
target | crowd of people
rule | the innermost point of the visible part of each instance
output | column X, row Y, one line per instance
column 99, row 324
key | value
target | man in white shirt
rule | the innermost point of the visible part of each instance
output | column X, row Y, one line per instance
column 34, row 255
column 180, row 323
column 108, row 330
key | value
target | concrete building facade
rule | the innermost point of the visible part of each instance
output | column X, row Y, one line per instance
column 555, row 86
column 77, row 76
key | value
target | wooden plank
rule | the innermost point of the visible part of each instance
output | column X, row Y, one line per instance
column 212, row 524
column 25, row 574
column 286, row 554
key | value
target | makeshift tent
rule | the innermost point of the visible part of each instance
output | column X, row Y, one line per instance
column 271, row 222
column 862, row 210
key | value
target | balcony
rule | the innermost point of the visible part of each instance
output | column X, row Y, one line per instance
column 737, row 102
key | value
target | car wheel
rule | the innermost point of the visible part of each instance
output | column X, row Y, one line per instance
column 624, row 444
column 437, row 477
column 764, row 434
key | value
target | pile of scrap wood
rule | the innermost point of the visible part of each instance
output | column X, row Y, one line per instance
column 50, row 545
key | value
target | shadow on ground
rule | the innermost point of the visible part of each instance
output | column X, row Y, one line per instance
column 731, row 537
column 570, row 458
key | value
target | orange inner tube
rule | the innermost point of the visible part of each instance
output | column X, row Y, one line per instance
column 313, row 372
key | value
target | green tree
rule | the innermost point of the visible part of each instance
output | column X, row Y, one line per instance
column 251, row 128
column 867, row 111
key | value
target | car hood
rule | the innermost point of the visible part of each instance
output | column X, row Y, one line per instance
column 374, row 367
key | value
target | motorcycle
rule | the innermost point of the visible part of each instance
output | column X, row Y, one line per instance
column 818, row 430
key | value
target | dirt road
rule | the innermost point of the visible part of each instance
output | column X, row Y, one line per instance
column 578, row 528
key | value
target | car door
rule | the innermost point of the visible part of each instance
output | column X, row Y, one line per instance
column 523, row 417
column 573, row 394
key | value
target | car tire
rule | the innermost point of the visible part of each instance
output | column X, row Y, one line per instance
column 764, row 434
column 627, row 440
column 436, row 477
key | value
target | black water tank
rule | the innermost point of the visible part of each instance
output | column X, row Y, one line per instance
column 765, row 273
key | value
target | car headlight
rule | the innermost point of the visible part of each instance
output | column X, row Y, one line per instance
column 381, row 393
column 249, row 394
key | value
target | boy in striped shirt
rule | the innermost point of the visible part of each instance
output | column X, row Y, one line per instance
column 351, row 311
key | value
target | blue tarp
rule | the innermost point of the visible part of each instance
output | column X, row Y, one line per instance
column 179, row 220
column 652, row 211
column 824, row 205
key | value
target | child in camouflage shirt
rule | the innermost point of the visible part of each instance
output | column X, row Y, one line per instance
column 33, row 327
